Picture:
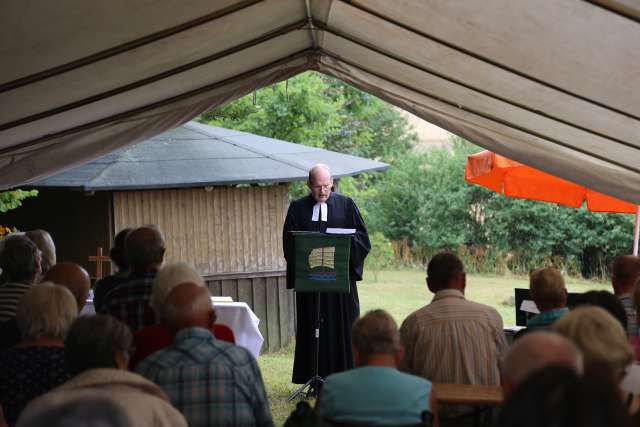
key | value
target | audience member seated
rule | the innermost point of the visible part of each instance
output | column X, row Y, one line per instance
column 635, row 341
column 557, row 396
column 534, row 351
column 213, row 383
column 624, row 274
column 20, row 262
column 84, row 411
column 452, row 340
column 36, row 364
column 153, row 338
column 606, row 300
column 129, row 301
column 73, row 277
column 67, row 274
column 550, row 295
column 106, row 284
column 97, row 352
column 375, row 392
column 44, row 242
column 604, row 345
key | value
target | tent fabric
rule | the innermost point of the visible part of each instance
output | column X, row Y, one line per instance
column 197, row 155
column 553, row 84
column 513, row 179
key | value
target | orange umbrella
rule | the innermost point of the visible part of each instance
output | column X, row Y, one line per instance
column 514, row 179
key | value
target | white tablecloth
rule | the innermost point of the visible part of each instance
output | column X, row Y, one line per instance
column 236, row 315
column 243, row 322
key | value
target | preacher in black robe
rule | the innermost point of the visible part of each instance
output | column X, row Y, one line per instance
column 338, row 311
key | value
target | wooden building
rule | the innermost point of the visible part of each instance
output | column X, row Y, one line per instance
column 219, row 196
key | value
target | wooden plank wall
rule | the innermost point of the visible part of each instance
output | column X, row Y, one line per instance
column 270, row 300
column 224, row 230
column 233, row 236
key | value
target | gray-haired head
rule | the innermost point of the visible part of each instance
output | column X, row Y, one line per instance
column 46, row 311
column 375, row 333
column 96, row 342
column 601, row 338
column 168, row 278
column 20, row 259
column 145, row 248
column 534, row 351
column 44, row 242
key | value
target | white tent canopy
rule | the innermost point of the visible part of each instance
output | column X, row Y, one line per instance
column 553, row 83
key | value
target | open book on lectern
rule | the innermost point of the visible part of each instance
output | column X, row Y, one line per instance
column 321, row 261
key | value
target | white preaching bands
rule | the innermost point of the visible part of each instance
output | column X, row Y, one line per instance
column 319, row 210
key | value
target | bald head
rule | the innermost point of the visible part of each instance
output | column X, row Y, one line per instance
column 535, row 351
column 73, row 277
column 624, row 273
column 188, row 305
column 145, row 249
column 320, row 182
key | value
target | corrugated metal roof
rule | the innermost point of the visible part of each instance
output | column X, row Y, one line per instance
column 201, row 155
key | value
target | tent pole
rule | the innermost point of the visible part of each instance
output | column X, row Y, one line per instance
column 636, row 230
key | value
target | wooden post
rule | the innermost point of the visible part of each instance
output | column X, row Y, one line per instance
column 99, row 259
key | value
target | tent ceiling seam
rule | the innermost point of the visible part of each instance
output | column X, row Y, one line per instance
column 157, row 77
column 116, row 50
column 368, row 46
column 154, row 105
column 485, row 59
column 487, row 117
column 312, row 33
column 617, row 11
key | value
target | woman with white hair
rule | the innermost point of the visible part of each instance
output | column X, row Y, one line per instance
column 153, row 338
column 36, row 364
column 604, row 345
column 97, row 353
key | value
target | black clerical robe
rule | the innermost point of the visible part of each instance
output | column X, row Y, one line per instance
column 337, row 311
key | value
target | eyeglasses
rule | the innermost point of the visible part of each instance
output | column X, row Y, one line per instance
column 321, row 187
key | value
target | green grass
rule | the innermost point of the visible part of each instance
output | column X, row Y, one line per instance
column 401, row 292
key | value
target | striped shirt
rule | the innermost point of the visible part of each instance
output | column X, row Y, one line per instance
column 454, row 341
column 213, row 383
column 10, row 295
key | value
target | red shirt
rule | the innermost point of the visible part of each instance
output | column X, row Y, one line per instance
column 153, row 338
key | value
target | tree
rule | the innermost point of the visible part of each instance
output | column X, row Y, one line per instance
column 13, row 199
column 320, row 111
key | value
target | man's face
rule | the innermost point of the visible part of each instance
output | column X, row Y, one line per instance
column 320, row 185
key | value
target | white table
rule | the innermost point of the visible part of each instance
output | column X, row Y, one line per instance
column 236, row 315
column 243, row 322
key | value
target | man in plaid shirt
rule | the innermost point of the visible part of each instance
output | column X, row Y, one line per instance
column 212, row 382
column 129, row 301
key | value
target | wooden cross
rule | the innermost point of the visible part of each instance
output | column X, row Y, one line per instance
column 99, row 259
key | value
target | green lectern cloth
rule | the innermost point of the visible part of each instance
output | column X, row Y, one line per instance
column 321, row 262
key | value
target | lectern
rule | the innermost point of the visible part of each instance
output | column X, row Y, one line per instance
column 321, row 266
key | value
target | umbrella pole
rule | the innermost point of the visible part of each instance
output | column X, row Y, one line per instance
column 636, row 230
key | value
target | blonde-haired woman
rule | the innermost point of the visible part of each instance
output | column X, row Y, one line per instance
column 36, row 364
column 604, row 345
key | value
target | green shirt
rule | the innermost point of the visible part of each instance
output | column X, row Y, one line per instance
column 375, row 395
